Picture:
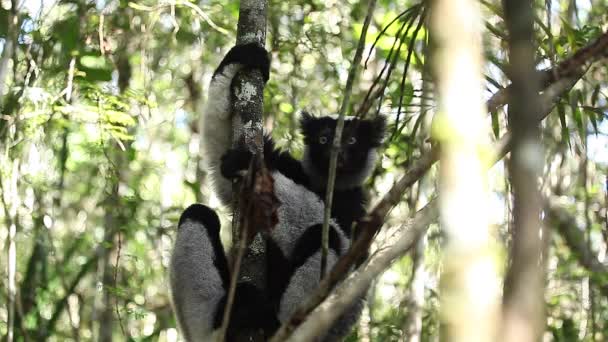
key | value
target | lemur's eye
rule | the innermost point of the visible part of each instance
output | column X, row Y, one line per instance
column 351, row 140
column 322, row 140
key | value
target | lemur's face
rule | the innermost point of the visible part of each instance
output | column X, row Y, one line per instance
column 360, row 139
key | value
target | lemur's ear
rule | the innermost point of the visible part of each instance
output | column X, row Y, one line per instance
column 378, row 130
column 306, row 123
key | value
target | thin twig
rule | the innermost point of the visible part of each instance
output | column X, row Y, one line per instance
column 236, row 268
column 116, row 267
column 381, row 34
column 391, row 62
column 331, row 177
column 192, row 6
column 406, row 67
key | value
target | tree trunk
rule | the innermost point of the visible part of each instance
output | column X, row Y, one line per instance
column 247, row 123
column 467, row 312
column 523, row 299
column 413, row 328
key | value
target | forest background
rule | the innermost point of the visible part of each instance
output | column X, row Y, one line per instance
column 99, row 154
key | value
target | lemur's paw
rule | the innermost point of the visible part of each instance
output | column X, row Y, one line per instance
column 201, row 214
column 250, row 55
column 235, row 163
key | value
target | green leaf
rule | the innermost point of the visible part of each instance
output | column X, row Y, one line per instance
column 578, row 119
column 3, row 22
column 186, row 37
column 286, row 107
column 93, row 62
column 592, row 118
column 95, row 68
column 67, row 32
column 595, row 95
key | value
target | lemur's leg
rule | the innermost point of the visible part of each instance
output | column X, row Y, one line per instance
column 198, row 273
column 303, row 277
column 304, row 269
column 217, row 114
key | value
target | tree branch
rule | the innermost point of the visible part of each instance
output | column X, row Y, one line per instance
column 571, row 67
column 336, row 146
column 60, row 304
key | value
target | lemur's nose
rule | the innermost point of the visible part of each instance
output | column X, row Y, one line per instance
column 341, row 159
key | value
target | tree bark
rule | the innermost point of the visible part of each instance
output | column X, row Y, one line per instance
column 469, row 310
column 248, row 107
column 523, row 298
column 104, row 268
column 247, row 98
column 413, row 324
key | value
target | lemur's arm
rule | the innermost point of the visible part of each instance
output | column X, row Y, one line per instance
column 283, row 162
column 235, row 162
column 217, row 114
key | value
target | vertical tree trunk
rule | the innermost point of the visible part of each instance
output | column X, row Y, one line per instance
column 7, row 51
column 469, row 283
column 523, row 301
column 247, row 98
column 413, row 328
column 413, row 325
column 10, row 202
column 10, row 199
column 247, row 122
column 104, row 267
column 587, row 327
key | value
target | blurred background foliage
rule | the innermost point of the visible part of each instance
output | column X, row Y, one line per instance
column 99, row 137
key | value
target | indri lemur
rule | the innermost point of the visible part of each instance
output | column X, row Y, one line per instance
column 199, row 272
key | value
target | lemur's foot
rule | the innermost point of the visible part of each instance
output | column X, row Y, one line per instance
column 235, row 163
column 250, row 55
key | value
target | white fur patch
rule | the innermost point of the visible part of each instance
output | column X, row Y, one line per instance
column 217, row 130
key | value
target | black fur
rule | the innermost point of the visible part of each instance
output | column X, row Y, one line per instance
column 234, row 162
column 251, row 55
column 252, row 308
column 252, row 313
column 203, row 215
column 310, row 242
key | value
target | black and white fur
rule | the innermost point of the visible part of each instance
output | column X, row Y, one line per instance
column 199, row 274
